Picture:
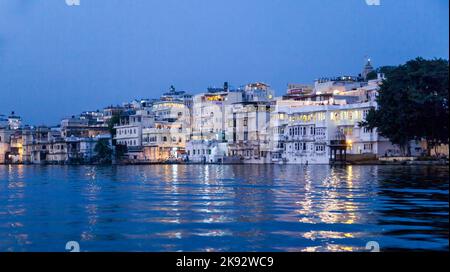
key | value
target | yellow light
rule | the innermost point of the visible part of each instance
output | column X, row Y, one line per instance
column 349, row 142
column 214, row 98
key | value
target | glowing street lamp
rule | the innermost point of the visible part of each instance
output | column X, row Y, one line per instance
column 349, row 143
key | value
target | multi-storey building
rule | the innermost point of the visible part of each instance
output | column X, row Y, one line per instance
column 208, row 151
column 111, row 111
column 58, row 147
column 209, row 112
column 37, row 148
column 208, row 140
column 305, row 131
column 82, row 126
column 166, row 139
column 248, row 131
column 82, row 150
column 223, row 116
column 129, row 131
column 16, row 147
column 10, row 139
column 151, row 120
column 5, row 138
column 14, row 121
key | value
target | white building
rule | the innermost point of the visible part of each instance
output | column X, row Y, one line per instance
column 248, row 131
column 238, row 117
column 304, row 131
column 258, row 92
column 209, row 113
column 82, row 149
column 129, row 130
column 5, row 137
column 14, row 121
column 165, row 141
column 156, row 130
column 207, row 151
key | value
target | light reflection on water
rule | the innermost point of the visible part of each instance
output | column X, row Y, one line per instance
column 223, row 208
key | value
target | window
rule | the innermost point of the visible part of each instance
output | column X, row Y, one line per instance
column 245, row 135
column 348, row 131
column 368, row 147
column 320, row 148
column 245, row 121
column 365, row 112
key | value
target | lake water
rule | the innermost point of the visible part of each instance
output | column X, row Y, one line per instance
column 224, row 208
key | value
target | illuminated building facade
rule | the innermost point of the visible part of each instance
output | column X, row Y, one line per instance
column 209, row 113
column 164, row 141
column 5, row 137
column 303, row 130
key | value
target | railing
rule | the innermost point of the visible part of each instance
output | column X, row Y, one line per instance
column 337, row 142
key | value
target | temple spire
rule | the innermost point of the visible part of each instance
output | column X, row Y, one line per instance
column 367, row 68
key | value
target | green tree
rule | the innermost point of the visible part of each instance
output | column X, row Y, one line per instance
column 120, row 151
column 103, row 151
column 382, row 69
column 413, row 104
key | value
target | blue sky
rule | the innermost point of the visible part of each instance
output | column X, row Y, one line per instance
column 57, row 60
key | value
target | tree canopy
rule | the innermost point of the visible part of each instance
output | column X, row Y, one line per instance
column 103, row 150
column 413, row 103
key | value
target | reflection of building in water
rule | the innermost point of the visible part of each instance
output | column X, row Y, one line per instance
column 15, row 211
column 91, row 199
column 324, row 197
column 253, row 200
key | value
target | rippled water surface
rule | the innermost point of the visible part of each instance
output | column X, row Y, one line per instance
column 223, row 208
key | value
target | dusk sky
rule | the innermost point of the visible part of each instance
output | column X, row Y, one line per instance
column 57, row 60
